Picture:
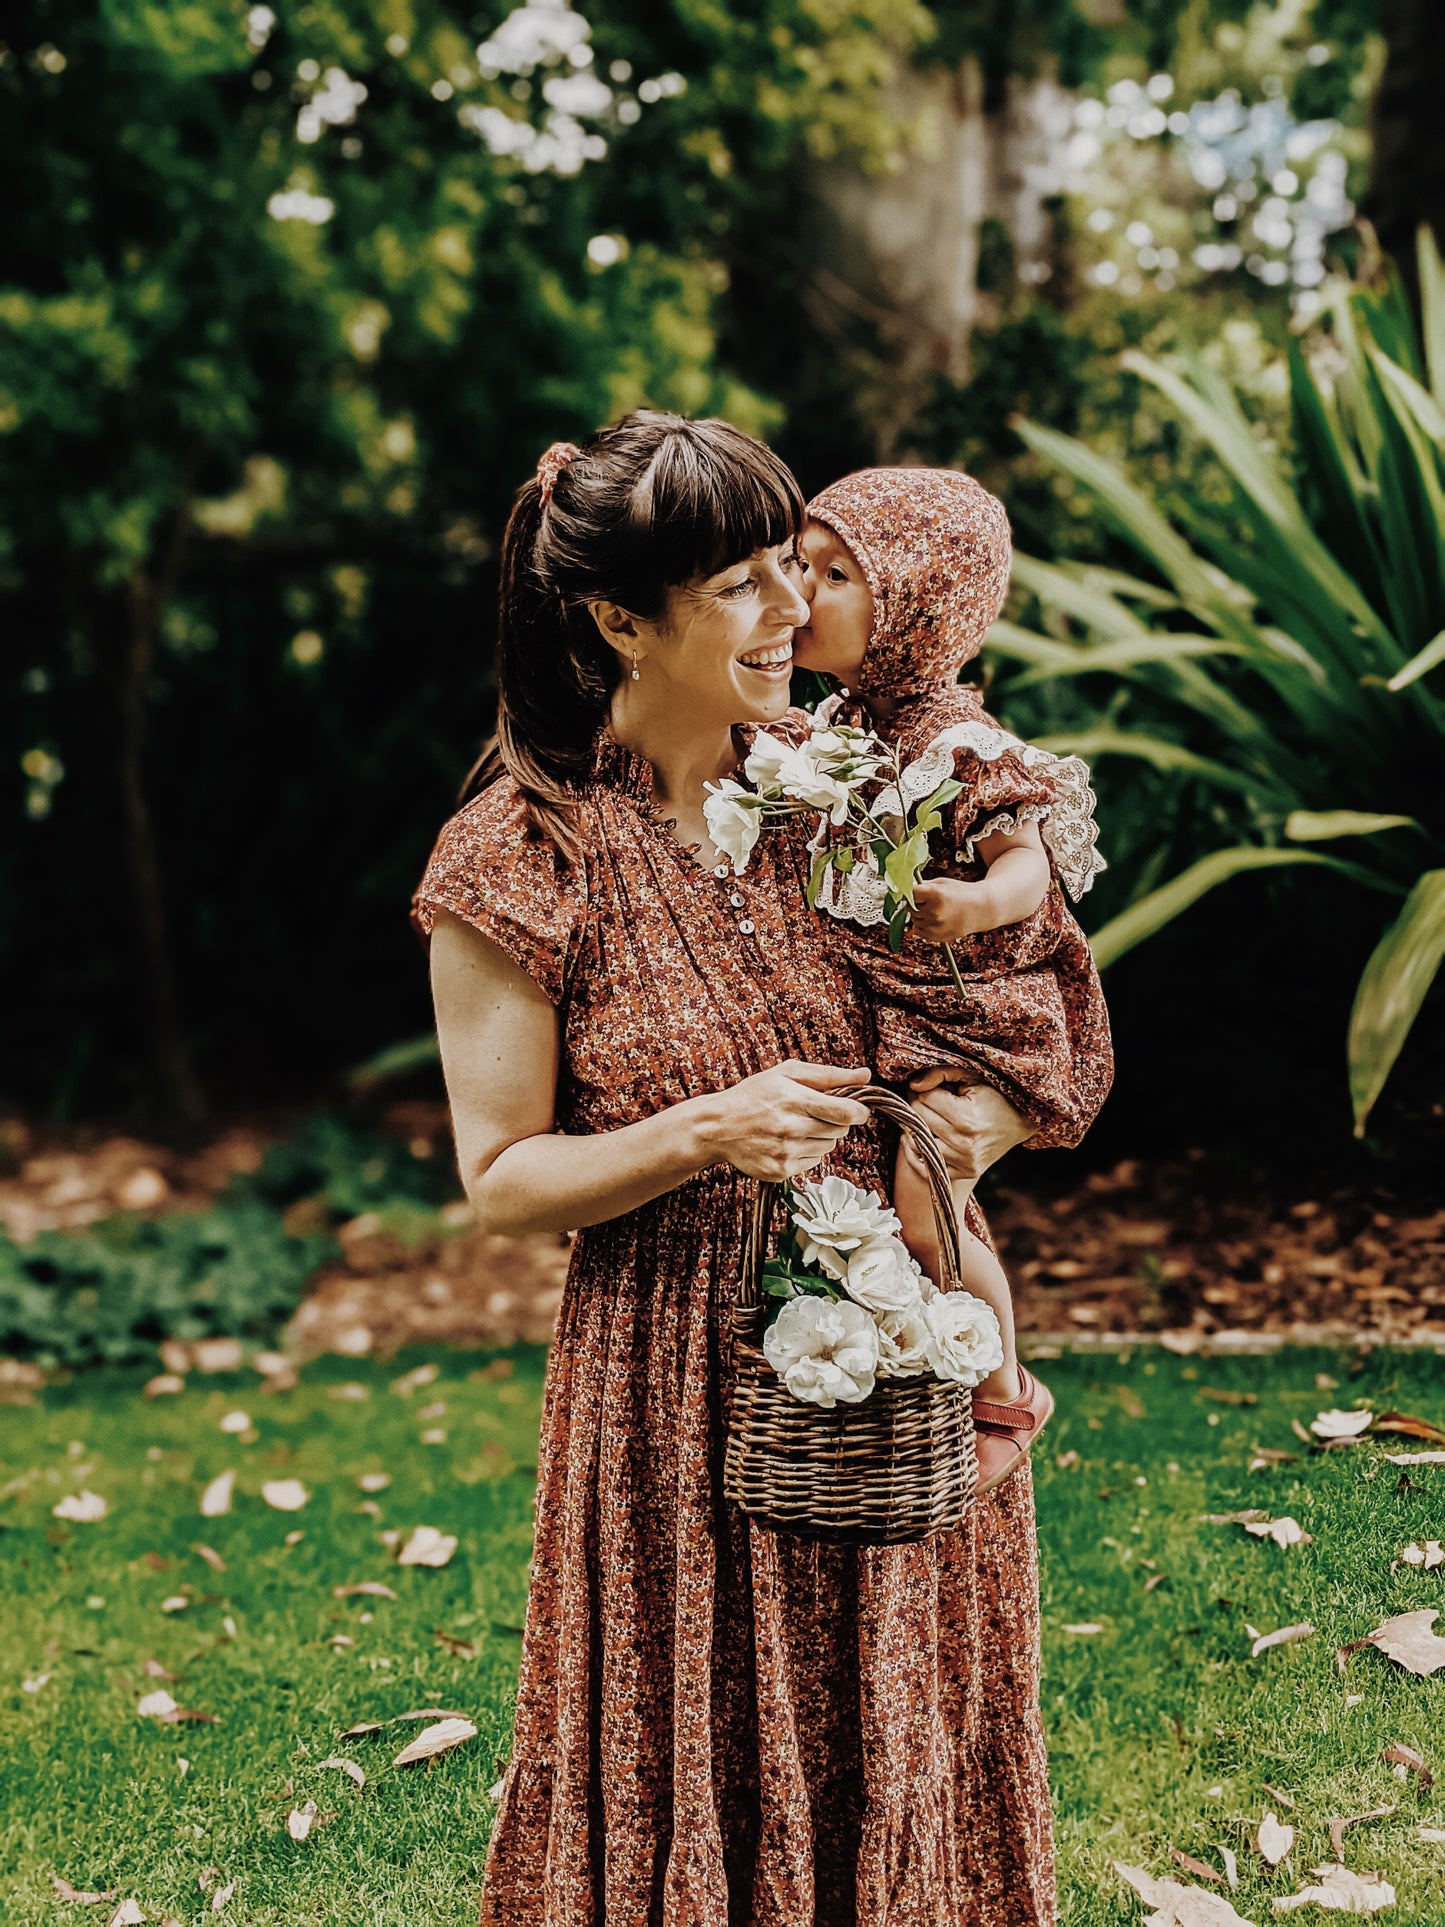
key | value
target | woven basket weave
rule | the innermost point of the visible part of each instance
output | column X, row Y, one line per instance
column 894, row 1468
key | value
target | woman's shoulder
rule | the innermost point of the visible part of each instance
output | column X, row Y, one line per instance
column 491, row 868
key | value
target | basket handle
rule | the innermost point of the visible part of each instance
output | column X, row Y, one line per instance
column 940, row 1186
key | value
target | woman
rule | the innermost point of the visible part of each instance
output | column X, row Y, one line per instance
column 716, row 1725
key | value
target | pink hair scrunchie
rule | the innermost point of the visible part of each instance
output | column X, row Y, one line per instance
column 551, row 466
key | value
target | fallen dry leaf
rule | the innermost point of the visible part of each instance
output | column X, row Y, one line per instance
column 1285, row 1799
column 1337, row 1827
column 300, row 1820
column 155, row 1706
column 411, row 1381
column 371, row 1588
column 1254, row 1515
column 1416, row 1458
column 1354, row 1699
column 36, row 1683
column 1222, row 1396
column 1433, row 1835
column 1430, row 1555
column 154, row 1670
column 212, row 1558
column 177, row 1602
column 164, row 1385
column 216, row 1499
column 64, row 1891
column 350, row 1391
column 127, row 1914
column 1284, row 1532
column 433, row 1740
column 1340, row 1425
column 285, row 1495
column 1342, row 1891
column 236, row 1422
column 1273, row 1840
column 1155, row 1579
column 1191, row 1865
column 374, row 1481
column 1408, row 1640
column 458, row 1648
column 293, row 1538
column 348, row 1767
column 1176, row 1905
column 495, row 1793
column 1231, row 1868
column 1067, row 1459
column 427, row 1547
column 221, row 1896
column 1084, row 1626
column 430, row 1713
column 84, row 1508
column 1406, row 1760
column 1284, row 1637
column 361, row 1728
column 1409, row 1426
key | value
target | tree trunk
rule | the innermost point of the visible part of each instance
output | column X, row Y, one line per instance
column 169, row 1058
column 1407, row 183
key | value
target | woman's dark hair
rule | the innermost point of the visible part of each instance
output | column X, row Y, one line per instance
column 647, row 504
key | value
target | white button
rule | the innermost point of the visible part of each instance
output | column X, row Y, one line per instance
column 736, row 900
column 747, row 926
column 721, row 870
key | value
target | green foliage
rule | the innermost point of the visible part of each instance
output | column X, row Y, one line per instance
column 110, row 1294
column 1296, row 657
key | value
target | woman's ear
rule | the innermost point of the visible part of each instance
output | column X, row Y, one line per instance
column 620, row 630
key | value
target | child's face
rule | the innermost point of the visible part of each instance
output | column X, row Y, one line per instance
column 840, row 605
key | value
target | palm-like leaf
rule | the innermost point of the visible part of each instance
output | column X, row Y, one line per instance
column 1292, row 669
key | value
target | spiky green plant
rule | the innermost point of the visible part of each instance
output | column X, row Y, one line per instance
column 1291, row 671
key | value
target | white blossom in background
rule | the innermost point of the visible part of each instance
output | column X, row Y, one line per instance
column 299, row 204
column 260, row 21
column 548, row 34
column 334, row 103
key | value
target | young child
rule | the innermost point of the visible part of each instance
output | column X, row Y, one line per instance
column 906, row 569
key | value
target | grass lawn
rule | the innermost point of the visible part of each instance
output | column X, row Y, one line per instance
column 1164, row 1731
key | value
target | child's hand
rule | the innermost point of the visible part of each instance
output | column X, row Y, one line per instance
column 945, row 910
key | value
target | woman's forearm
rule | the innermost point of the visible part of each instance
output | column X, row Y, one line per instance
column 552, row 1182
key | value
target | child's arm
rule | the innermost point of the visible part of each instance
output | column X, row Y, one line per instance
column 946, row 909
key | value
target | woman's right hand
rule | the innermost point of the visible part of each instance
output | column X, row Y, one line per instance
column 779, row 1123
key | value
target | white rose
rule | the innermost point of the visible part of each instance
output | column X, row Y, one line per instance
column 967, row 1344
column 882, row 1276
column 734, row 818
column 834, row 1217
column 767, row 762
column 824, row 1350
column 808, row 784
column 905, row 1344
column 832, row 750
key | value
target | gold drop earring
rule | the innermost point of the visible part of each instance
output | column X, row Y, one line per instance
column 636, row 672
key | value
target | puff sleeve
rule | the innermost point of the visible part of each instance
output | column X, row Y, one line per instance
column 489, row 869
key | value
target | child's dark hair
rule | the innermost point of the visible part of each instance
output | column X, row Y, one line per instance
column 648, row 503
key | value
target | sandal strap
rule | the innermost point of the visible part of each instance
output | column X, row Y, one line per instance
column 1021, row 1416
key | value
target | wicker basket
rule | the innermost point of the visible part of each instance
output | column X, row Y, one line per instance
column 894, row 1468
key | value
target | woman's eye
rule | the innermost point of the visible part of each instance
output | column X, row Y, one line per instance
column 736, row 589
column 835, row 574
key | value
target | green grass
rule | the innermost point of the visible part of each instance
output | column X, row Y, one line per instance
column 1145, row 1717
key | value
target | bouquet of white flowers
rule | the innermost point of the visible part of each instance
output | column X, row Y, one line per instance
column 871, row 828
column 854, row 1306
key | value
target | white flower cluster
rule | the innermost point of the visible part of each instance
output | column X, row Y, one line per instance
column 893, row 1322
column 821, row 774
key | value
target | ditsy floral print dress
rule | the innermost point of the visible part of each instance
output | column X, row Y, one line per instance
column 719, row 1726
column 1030, row 1019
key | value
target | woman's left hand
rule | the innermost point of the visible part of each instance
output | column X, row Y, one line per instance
column 974, row 1126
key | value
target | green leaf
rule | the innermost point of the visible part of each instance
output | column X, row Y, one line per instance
column 1432, row 304
column 843, row 860
column 929, row 815
column 1150, row 914
column 898, row 928
column 1401, row 969
column 1430, row 657
column 819, row 870
column 1171, row 758
column 1319, row 826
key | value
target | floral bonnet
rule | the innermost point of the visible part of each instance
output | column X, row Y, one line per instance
column 934, row 547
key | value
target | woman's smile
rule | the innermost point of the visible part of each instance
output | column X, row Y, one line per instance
column 775, row 663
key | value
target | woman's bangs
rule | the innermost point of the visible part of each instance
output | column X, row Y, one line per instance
column 717, row 498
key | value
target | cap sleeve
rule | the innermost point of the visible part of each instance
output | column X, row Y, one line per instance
column 1007, row 783
column 492, row 871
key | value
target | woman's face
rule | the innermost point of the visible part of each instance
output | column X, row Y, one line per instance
column 840, row 607
column 722, row 652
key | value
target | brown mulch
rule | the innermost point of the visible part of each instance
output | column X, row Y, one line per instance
column 1184, row 1248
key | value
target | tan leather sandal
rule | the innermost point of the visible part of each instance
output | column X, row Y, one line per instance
column 1003, row 1433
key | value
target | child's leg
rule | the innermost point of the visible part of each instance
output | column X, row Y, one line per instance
column 981, row 1272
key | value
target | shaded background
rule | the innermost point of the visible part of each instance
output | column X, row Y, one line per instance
column 294, row 296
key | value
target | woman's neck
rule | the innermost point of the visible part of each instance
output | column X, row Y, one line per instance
column 683, row 757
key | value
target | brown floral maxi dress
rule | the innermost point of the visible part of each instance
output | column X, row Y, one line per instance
column 718, row 1726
